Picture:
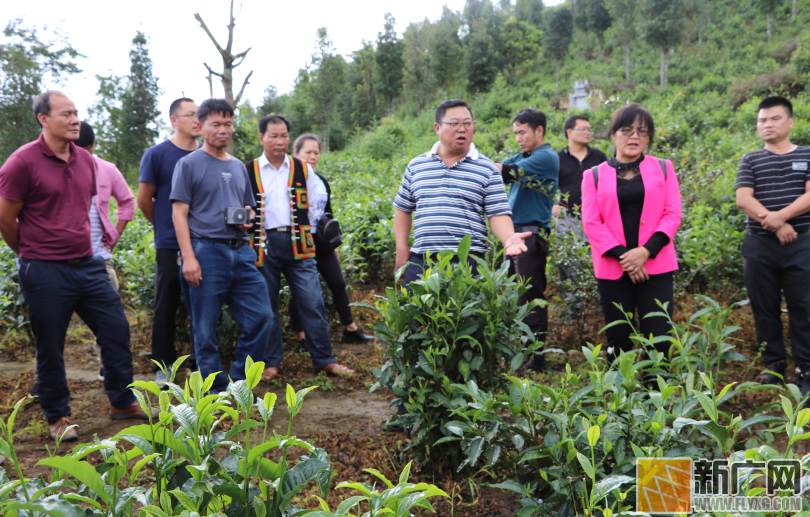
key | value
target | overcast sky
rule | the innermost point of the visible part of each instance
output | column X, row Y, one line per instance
column 281, row 35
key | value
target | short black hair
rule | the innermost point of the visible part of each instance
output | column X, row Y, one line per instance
column 442, row 108
column 776, row 100
column 273, row 119
column 571, row 122
column 534, row 118
column 42, row 103
column 629, row 113
column 87, row 136
column 174, row 107
column 209, row 106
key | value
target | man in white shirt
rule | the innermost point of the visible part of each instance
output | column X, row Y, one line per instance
column 282, row 186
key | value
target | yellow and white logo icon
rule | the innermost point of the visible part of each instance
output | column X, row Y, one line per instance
column 664, row 485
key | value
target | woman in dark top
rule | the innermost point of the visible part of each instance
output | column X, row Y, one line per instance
column 631, row 210
column 307, row 147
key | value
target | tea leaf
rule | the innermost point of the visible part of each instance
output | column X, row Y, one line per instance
column 586, row 465
column 80, row 470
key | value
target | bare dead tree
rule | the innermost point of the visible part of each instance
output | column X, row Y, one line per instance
column 229, row 60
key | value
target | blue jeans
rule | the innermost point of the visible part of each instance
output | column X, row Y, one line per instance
column 302, row 277
column 229, row 277
column 54, row 290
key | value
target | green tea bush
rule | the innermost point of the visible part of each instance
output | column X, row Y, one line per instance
column 453, row 327
column 198, row 469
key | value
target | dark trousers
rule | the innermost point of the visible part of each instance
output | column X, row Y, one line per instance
column 531, row 267
column 640, row 298
column 167, row 300
column 328, row 266
column 770, row 269
column 416, row 265
column 302, row 277
column 54, row 290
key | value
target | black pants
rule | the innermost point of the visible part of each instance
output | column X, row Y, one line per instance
column 769, row 270
column 531, row 266
column 167, row 300
column 329, row 268
column 54, row 290
column 640, row 298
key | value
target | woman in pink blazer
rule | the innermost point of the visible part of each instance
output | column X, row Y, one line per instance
column 631, row 210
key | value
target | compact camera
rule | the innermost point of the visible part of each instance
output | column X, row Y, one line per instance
column 237, row 216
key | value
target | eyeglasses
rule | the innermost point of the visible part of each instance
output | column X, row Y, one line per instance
column 456, row 125
column 583, row 130
column 629, row 131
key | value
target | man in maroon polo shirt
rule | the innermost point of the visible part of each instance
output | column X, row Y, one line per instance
column 45, row 192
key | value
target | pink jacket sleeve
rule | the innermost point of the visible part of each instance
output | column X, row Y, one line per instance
column 671, row 217
column 601, row 238
column 123, row 196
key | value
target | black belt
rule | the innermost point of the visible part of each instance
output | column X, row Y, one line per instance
column 234, row 243
column 285, row 229
column 533, row 229
column 799, row 231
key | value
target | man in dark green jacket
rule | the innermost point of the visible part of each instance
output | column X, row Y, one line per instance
column 535, row 174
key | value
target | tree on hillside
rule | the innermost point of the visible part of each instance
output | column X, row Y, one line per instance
column 362, row 103
column 445, row 51
column 599, row 20
column 139, row 108
column 229, row 60
column 769, row 6
column 389, row 63
column 481, row 57
column 106, row 118
column 697, row 14
column 27, row 67
column 558, row 36
column 624, row 13
column 418, row 77
column 327, row 82
column 521, row 46
column 530, row 11
column 272, row 102
column 662, row 25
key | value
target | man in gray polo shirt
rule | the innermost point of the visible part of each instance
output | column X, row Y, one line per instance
column 217, row 263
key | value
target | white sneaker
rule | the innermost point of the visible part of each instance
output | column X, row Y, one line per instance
column 160, row 379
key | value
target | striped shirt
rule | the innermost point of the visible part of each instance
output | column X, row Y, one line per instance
column 449, row 203
column 778, row 180
column 97, row 232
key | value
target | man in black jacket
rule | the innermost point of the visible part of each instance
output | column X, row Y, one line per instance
column 577, row 157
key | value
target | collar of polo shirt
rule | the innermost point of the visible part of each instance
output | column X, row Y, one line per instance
column 472, row 154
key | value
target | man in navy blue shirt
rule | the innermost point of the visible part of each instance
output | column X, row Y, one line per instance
column 155, row 184
column 531, row 197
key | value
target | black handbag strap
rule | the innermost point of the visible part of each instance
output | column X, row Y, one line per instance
column 595, row 169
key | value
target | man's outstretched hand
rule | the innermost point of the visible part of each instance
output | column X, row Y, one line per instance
column 514, row 245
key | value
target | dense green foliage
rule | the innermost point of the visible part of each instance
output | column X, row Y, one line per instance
column 180, row 446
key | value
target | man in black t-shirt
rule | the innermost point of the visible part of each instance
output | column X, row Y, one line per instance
column 576, row 158
column 773, row 189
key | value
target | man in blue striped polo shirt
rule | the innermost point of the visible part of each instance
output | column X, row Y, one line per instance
column 448, row 193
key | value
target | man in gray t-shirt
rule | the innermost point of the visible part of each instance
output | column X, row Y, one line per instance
column 213, row 184
column 217, row 264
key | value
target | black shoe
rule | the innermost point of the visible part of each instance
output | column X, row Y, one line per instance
column 100, row 375
column 805, row 383
column 33, row 391
column 537, row 364
column 303, row 346
column 765, row 377
column 356, row 336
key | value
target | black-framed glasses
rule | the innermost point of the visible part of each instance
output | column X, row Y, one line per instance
column 455, row 126
column 629, row 131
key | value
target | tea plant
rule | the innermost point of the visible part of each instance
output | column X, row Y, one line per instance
column 182, row 447
column 452, row 327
